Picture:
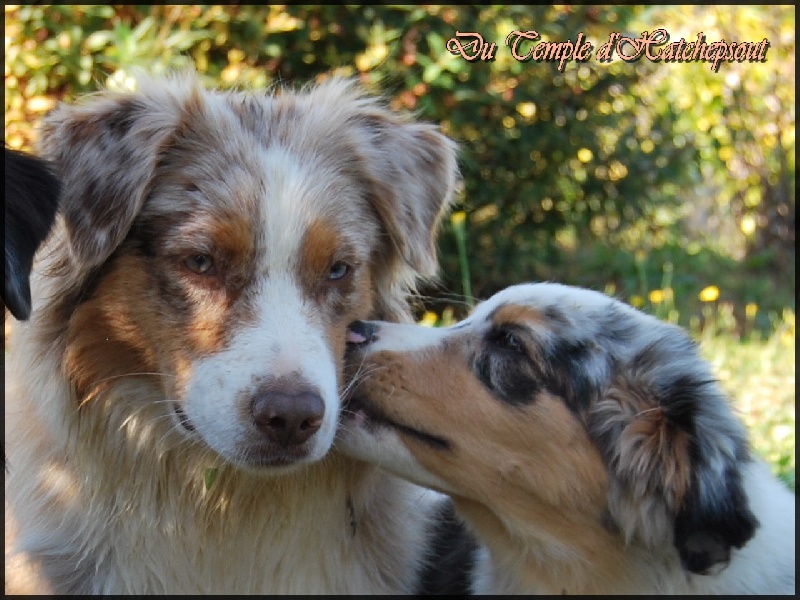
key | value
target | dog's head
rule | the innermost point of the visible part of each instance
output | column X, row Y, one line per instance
column 217, row 244
column 31, row 201
column 562, row 411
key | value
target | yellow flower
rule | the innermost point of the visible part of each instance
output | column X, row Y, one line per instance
column 457, row 218
column 709, row 293
column 656, row 296
column 584, row 155
column 526, row 109
column 750, row 310
column 429, row 319
column 637, row 301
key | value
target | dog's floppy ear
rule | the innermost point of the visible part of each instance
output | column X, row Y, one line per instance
column 711, row 521
column 674, row 446
column 105, row 152
column 412, row 170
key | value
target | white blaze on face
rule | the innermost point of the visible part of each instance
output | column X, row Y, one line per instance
column 285, row 338
column 286, row 342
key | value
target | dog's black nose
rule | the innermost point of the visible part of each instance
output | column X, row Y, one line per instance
column 360, row 332
column 288, row 418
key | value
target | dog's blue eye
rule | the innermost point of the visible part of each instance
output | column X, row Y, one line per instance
column 338, row 271
column 201, row 264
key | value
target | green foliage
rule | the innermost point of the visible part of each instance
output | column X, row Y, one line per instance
column 572, row 174
column 759, row 375
column 650, row 181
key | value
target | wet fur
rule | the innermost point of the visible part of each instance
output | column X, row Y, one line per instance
column 587, row 444
column 195, row 269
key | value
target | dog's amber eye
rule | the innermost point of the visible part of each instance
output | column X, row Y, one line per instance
column 338, row 270
column 202, row 264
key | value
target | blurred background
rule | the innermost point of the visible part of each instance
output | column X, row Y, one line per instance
column 668, row 185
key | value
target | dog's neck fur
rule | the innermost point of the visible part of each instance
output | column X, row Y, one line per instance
column 521, row 556
column 215, row 542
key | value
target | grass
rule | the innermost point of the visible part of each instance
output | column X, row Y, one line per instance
column 757, row 370
column 759, row 376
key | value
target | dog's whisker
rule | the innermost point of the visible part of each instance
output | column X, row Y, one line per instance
column 132, row 374
column 361, row 374
column 359, row 378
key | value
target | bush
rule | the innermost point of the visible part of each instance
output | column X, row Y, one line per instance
column 570, row 174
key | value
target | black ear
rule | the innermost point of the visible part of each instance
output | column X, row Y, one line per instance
column 713, row 516
column 711, row 522
column 105, row 151
column 31, row 201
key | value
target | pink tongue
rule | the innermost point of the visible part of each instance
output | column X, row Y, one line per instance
column 355, row 338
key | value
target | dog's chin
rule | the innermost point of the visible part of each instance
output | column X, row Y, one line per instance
column 257, row 457
column 362, row 436
column 267, row 461
column 358, row 413
column 367, row 434
column 359, row 417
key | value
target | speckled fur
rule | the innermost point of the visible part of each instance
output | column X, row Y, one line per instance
column 587, row 444
column 107, row 491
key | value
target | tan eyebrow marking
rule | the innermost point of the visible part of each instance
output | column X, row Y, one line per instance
column 517, row 313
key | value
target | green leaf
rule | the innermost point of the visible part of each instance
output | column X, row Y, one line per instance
column 209, row 477
column 431, row 72
column 97, row 40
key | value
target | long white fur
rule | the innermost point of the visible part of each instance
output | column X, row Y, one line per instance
column 107, row 494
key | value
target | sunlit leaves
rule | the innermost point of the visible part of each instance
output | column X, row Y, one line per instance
column 661, row 158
